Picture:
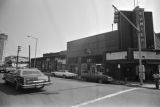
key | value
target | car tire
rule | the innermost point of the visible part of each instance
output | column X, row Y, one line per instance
column 53, row 75
column 17, row 86
column 41, row 88
column 64, row 76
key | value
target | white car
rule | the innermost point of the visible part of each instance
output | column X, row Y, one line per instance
column 64, row 74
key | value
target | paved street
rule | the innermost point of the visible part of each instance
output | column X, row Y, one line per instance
column 74, row 93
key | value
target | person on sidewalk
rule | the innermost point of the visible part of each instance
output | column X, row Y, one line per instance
column 156, row 77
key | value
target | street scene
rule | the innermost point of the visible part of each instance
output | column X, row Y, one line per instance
column 79, row 53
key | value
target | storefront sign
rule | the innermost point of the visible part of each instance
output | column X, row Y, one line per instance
column 140, row 20
column 146, row 55
column 116, row 55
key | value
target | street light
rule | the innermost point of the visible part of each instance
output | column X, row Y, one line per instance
column 35, row 49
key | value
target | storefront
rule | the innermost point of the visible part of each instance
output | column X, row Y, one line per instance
column 124, row 64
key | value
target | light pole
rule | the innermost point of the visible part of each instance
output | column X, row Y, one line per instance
column 36, row 39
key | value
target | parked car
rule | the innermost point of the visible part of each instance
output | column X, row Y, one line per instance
column 64, row 74
column 97, row 77
column 26, row 78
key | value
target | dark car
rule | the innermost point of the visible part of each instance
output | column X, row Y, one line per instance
column 27, row 78
column 98, row 77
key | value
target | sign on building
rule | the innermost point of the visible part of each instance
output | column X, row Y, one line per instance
column 140, row 22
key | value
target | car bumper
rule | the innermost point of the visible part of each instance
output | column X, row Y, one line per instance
column 36, row 85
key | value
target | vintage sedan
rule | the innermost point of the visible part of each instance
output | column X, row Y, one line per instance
column 64, row 74
column 97, row 77
column 27, row 78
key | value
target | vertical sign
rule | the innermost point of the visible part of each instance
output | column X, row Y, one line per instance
column 140, row 21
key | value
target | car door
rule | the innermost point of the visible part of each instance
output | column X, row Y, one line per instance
column 12, row 76
column 61, row 73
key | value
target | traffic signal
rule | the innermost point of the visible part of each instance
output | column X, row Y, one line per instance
column 116, row 16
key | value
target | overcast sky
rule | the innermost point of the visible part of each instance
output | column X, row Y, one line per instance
column 54, row 22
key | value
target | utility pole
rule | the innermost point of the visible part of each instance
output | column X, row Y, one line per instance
column 29, row 57
column 36, row 39
column 19, row 49
column 116, row 20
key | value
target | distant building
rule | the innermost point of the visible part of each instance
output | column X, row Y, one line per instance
column 12, row 61
column 50, row 62
column 3, row 38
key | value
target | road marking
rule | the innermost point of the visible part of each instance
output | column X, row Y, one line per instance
column 105, row 97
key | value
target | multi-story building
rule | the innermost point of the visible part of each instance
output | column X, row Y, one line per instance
column 3, row 38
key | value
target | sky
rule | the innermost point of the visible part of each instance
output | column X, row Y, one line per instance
column 55, row 22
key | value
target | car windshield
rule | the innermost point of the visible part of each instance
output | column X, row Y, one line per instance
column 31, row 72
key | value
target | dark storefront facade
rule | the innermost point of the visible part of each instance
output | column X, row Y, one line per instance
column 50, row 62
column 124, row 64
column 84, row 53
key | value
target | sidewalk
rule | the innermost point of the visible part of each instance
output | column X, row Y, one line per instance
column 129, row 83
column 136, row 84
column 145, row 85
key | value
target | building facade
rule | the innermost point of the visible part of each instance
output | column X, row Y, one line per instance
column 117, row 51
column 50, row 62
column 86, row 52
column 157, row 41
column 128, row 34
column 124, row 64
